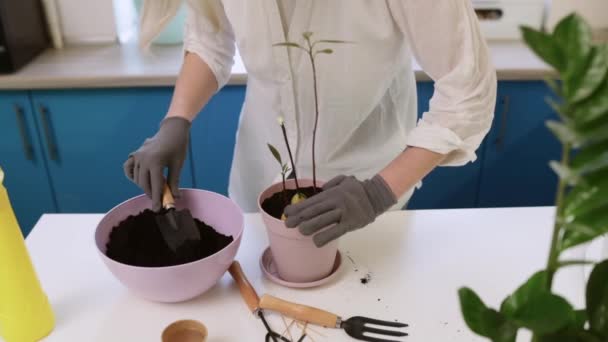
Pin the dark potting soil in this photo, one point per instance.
(275, 204)
(137, 241)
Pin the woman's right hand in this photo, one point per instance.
(168, 149)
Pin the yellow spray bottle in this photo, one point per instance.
(25, 312)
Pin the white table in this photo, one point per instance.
(418, 260)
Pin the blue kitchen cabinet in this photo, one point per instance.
(87, 136)
(446, 187)
(22, 160)
(519, 147)
(213, 138)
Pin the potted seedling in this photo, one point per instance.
(296, 257)
(581, 204)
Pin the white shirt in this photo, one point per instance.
(367, 90)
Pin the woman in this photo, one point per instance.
(367, 99)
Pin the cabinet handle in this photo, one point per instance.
(28, 148)
(502, 132)
(48, 133)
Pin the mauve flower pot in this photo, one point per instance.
(296, 256)
(181, 282)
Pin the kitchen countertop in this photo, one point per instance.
(127, 66)
(417, 261)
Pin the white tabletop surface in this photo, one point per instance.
(127, 66)
(417, 261)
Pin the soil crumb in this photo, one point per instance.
(367, 279)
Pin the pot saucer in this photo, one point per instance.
(270, 271)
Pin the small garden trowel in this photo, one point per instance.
(176, 226)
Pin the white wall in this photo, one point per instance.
(87, 21)
(595, 11)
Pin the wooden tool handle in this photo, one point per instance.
(247, 291)
(168, 200)
(300, 312)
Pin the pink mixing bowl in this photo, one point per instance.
(181, 282)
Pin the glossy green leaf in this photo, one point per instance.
(289, 44)
(564, 133)
(597, 299)
(584, 229)
(573, 35)
(594, 135)
(591, 159)
(573, 332)
(584, 83)
(275, 153)
(484, 321)
(545, 47)
(586, 113)
(544, 313)
(585, 199)
(563, 172)
(333, 41)
(533, 287)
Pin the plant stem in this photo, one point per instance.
(293, 165)
(314, 130)
(552, 263)
(284, 189)
(567, 263)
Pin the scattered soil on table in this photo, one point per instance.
(275, 204)
(137, 241)
(366, 279)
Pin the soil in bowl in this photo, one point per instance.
(276, 204)
(137, 241)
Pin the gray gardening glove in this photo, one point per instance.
(346, 202)
(165, 149)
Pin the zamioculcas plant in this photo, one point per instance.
(312, 51)
(581, 204)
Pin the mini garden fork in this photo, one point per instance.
(357, 327)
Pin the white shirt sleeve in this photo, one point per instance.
(208, 34)
(445, 38)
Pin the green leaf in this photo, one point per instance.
(573, 35)
(586, 113)
(545, 47)
(584, 83)
(483, 321)
(597, 299)
(333, 41)
(289, 44)
(327, 51)
(573, 332)
(584, 199)
(544, 313)
(563, 172)
(590, 159)
(564, 133)
(560, 109)
(596, 134)
(535, 286)
(307, 35)
(584, 229)
(275, 153)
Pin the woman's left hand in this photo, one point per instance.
(346, 203)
